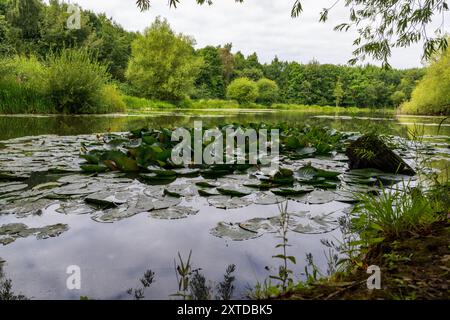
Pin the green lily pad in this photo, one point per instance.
(208, 192)
(74, 208)
(173, 213)
(10, 232)
(227, 202)
(11, 187)
(316, 197)
(108, 199)
(233, 232)
(94, 168)
(263, 198)
(233, 192)
(298, 190)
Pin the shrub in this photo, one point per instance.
(268, 91)
(243, 90)
(76, 81)
(111, 100)
(22, 86)
(431, 96)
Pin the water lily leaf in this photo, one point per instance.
(94, 168)
(345, 196)
(178, 212)
(208, 193)
(263, 198)
(233, 232)
(154, 179)
(51, 231)
(74, 189)
(260, 225)
(227, 202)
(114, 214)
(206, 184)
(309, 172)
(10, 176)
(23, 208)
(74, 208)
(315, 197)
(165, 202)
(181, 190)
(46, 186)
(298, 190)
(213, 174)
(305, 152)
(11, 187)
(186, 172)
(108, 199)
(233, 192)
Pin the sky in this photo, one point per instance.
(261, 26)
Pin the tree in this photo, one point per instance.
(227, 62)
(268, 91)
(163, 65)
(398, 97)
(406, 19)
(338, 93)
(431, 96)
(210, 82)
(242, 90)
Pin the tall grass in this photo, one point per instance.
(23, 86)
(393, 214)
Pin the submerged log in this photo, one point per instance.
(371, 152)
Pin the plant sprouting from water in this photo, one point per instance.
(146, 281)
(284, 275)
(225, 288)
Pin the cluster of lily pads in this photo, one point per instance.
(117, 176)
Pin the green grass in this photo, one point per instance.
(393, 214)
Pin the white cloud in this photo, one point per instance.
(262, 26)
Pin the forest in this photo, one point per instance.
(107, 69)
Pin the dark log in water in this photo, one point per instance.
(371, 152)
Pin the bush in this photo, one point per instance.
(431, 96)
(22, 86)
(111, 100)
(76, 81)
(243, 90)
(268, 91)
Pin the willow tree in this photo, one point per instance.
(381, 24)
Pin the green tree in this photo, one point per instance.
(268, 91)
(338, 93)
(398, 97)
(431, 96)
(407, 19)
(227, 62)
(243, 90)
(210, 82)
(163, 65)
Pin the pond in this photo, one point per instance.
(114, 248)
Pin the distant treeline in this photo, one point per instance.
(33, 28)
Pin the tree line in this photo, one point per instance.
(161, 64)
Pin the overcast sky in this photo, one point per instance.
(261, 26)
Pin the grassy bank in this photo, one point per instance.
(405, 234)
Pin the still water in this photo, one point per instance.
(114, 256)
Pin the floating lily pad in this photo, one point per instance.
(227, 202)
(316, 197)
(208, 192)
(233, 191)
(298, 190)
(178, 212)
(108, 199)
(10, 232)
(74, 208)
(233, 232)
(11, 187)
(263, 198)
(26, 207)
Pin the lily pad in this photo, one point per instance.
(316, 197)
(233, 232)
(263, 198)
(11, 187)
(298, 190)
(178, 212)
(108, 199)
(227, 202)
